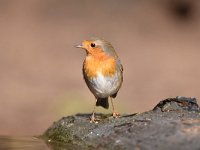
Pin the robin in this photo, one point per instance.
(102, 71)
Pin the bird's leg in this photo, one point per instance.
(114, 114)
(92, 118)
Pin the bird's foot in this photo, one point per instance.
(93, 119)
(115, 115)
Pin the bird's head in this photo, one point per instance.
(97, 46)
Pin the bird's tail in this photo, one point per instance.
(103, 102)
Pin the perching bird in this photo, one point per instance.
(102, 71)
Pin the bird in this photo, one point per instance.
(102, 72)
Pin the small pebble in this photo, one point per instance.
(117, 141)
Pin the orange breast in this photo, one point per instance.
(104, 65)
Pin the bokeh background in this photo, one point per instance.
(41, 79)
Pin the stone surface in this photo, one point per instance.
(174, 123)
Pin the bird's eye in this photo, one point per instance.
(92, 45)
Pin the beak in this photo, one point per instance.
(79, 46)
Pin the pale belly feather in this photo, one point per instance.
(105, 86)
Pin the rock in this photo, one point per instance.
(177, 104)
(174, 123)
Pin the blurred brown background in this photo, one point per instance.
(41, 77)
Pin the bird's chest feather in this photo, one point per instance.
(101, 76)
(99, 66)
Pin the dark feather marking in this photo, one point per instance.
(103, 102)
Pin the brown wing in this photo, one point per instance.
(119, 68)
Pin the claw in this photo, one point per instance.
(93, 119)
(115, 115)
